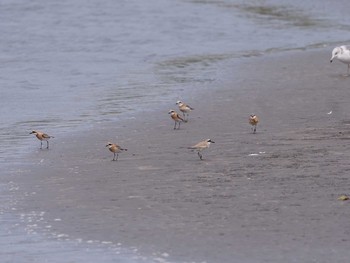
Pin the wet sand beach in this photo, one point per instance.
(264, 197)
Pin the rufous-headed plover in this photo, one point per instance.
(42, 137)
(201, 146)
(184, 108)
(176, 117)
(342, 53)
(253, 120)
(115, 149)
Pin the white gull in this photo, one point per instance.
(342, 53)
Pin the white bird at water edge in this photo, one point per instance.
(342, 53)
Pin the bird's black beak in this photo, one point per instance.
(212, 142)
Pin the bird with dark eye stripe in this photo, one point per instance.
(177, 118)
(42, 137)
(115, 149)
(199, 147)
(184, 108)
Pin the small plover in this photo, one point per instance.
(176, 117)
(342, 53)
(42, 137)
(115, 149)
(184, 108)
(201, 146)
(253, 120)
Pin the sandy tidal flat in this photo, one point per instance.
(264, 197)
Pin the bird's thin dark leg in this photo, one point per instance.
(200, 156)
(47, 144)
(117, 157)
(113, 157)
(179, 125)
(41, 144)
(254, 129)
(175, 126)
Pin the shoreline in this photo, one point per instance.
(160, 198)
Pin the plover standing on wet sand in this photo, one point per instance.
(115, 149)
(184, 108)
(253, 120)
(342, 53)
(42, 137)
(201, 146)
(176, 117)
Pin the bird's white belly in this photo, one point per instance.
(345, 59)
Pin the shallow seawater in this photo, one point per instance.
(23, 244)
(22, 239)
(69, 66)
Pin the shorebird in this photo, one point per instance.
(253, 120)
(201, 146)
(176, 117)
(184, 108)
(115, 149)
(342, 53)
(42, 137)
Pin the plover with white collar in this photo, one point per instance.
(115, 149)
(199, 147)
(177, 118)
(184, 108)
